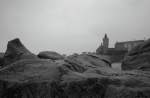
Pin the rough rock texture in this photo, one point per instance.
(90, 60)
(16, 51)
(44, 79)
(50, 55)
(138, 58)
(80, 76)
(1, 58)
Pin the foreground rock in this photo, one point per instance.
(138, 58)
(45, 79)
(50, 55)
(80, 76)
(16, 51)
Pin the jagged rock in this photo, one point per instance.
(16, 51)
(50, 55)
(138, 58)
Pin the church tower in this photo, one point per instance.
(104, 46)
(105, 42)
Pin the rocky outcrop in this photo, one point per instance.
(50, 55)
(16, 51)
(76, 76)
(138, 58)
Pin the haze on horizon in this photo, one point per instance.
(69, 26)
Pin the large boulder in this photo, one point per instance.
(83, 62)
(16, 51)
(138, 58)
(50, 55)
(90, 60)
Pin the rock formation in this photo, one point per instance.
(138, 58)
(90, 60)
(16, 51)
(80, 76)
(1, 58)
(50, 55)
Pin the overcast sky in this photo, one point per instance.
(69, 26)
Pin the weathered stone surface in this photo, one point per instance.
(44, 79)
(16, 51)
(1, 58)
(91, 60)
(138, 58)
(18, 77)
(50, 55)
(81, 63)
(80, 76)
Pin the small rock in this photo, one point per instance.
(50, 55)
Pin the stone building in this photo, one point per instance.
(104, 46)
(119, 50)
(128, 45)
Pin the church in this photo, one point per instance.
(120, 48)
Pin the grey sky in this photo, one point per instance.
(68, 26)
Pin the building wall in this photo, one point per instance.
(127, 45)
(120, 46)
